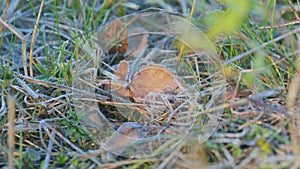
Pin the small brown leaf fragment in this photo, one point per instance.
(122, 70)
(119, 86)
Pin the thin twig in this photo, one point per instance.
(24, 58)
(3, 105)
(4, 13)
(3, 18)
(11, 131)
(12, 63)
(59, 86)
(277, 25)
(33, 39)
(260, 47)
(27, 88)
(127, 162)
(293, 9)
(190, 19)
(192, 10)
(223, 106)
(49, 150)
(13, 30)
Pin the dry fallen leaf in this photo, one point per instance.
(126, 134)
(153, 78)
(137, 41)
(115, 37)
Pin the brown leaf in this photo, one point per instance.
(126, 134)
(153, 79)
(137, 40)
(121, 72)
(115, 37)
